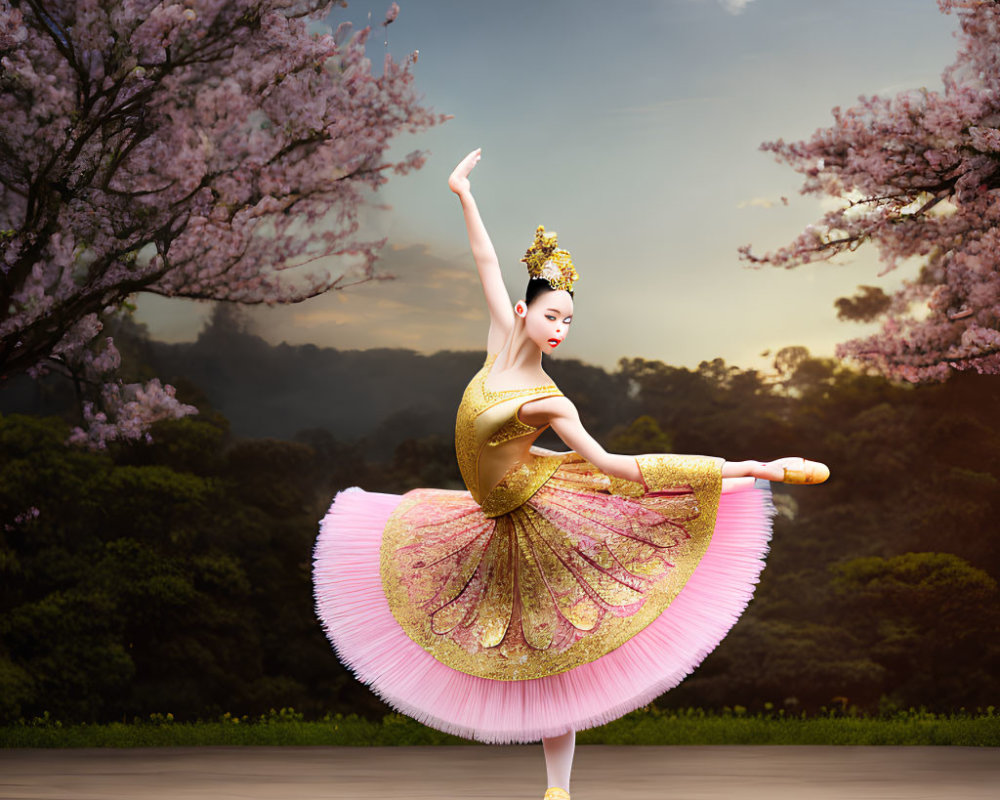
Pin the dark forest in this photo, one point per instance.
(175, 576)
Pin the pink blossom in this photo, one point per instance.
(129, 411)
(168, 147)
(29, 514)
(925, 165)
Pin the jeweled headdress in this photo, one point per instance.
(550, 263)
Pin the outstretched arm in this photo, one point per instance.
(562, 415)
(497, 299)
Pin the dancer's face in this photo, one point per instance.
(547, 319)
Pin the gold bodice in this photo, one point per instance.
(493, 444)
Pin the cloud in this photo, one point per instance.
(735, 6)
(327, 317)
(762, 202)
(756, 202)
(434, 303)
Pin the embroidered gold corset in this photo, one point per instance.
(493, 445)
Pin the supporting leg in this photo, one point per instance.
(559, 763)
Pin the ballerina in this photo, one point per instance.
(562, 590)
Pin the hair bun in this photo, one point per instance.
(550, 263)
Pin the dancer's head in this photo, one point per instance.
(546, 313)
(547, 307)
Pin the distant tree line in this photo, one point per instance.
(175, 576)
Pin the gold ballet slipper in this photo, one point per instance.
(555, 793)
(812, 472)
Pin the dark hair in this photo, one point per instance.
(537, 286)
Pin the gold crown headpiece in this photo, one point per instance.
(550, 263)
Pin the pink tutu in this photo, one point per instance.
(355, 612)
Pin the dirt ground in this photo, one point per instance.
(611, 773)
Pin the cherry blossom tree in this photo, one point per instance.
(213, 149)
(919, 177)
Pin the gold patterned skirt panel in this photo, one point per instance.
(559, 581)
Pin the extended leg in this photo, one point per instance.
(559, 763)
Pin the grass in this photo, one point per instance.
(697, 727)
(644, 727)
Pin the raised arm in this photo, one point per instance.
(497, 300)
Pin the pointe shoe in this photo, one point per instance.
(555, 793)
(811, 472)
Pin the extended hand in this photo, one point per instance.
(458, 181)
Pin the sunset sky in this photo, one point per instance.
(632, 129)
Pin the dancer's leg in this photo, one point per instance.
(559, 758)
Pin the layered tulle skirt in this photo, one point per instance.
(578, 607)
